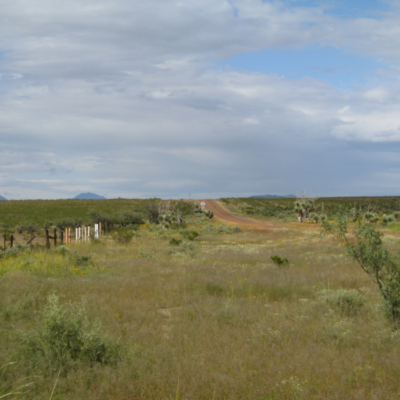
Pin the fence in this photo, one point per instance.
(82, 233)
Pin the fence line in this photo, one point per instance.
(82, 233)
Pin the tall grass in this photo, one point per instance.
(217, 321)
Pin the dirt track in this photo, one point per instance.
(221, 213)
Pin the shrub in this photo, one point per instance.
(386, 219)
(129, 219)
(313, 217)
(175, 242)
(67, 223)
(29, 227)
(280, 262)
(189, 234)
(209, 214)
(187, 247)
(323, 218)
(396, 214)
(65, 336)
(123, 235)
(370, 217)
(347, 301)
(367, 249)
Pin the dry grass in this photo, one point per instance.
(216, 320)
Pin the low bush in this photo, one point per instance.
(346, 301)
(371, 217)
(387, 219)
(28, 226)
(280, 262)
(189, 234)
(313, 217)
(68, 223)
(123, 235)
(65, 336)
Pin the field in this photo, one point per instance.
(283, 208)
(206, 317)
(15, 212)
(41, 211)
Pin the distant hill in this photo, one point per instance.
(273, 196)
(89, 196)
(2, 198)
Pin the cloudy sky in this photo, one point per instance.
(214, 98)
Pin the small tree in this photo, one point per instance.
(366, 247)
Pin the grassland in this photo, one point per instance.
(14, 212)
(212, 318)
(283, 208)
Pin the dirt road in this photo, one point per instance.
(221, 213)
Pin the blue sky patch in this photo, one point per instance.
(324, 63)
(345, 8)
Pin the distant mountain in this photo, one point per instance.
(89, 196)
(273, 196)
(2, 198)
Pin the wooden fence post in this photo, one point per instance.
(47, 239)
(55, 237)
(11, 241)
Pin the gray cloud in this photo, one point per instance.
(120, 98)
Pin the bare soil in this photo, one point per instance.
(220, 212)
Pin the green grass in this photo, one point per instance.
(283, 208)
(214, 319)
(13, 212)
(208, 318)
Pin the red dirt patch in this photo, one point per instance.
(223, 214)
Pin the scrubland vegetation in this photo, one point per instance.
(203, 311)
(283, 208)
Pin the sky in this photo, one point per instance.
(199, 98)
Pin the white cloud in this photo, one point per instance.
(120, 97)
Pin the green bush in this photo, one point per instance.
(371, 217)
(189, 234)
(175, 242)
(396, 214)
(123, 235)
(65, 336)
(368, 250)
(323, 218)
(314, 217)
(209, 214)
(28, 226)
(387, 219)
(347, 301)
(280, 262)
